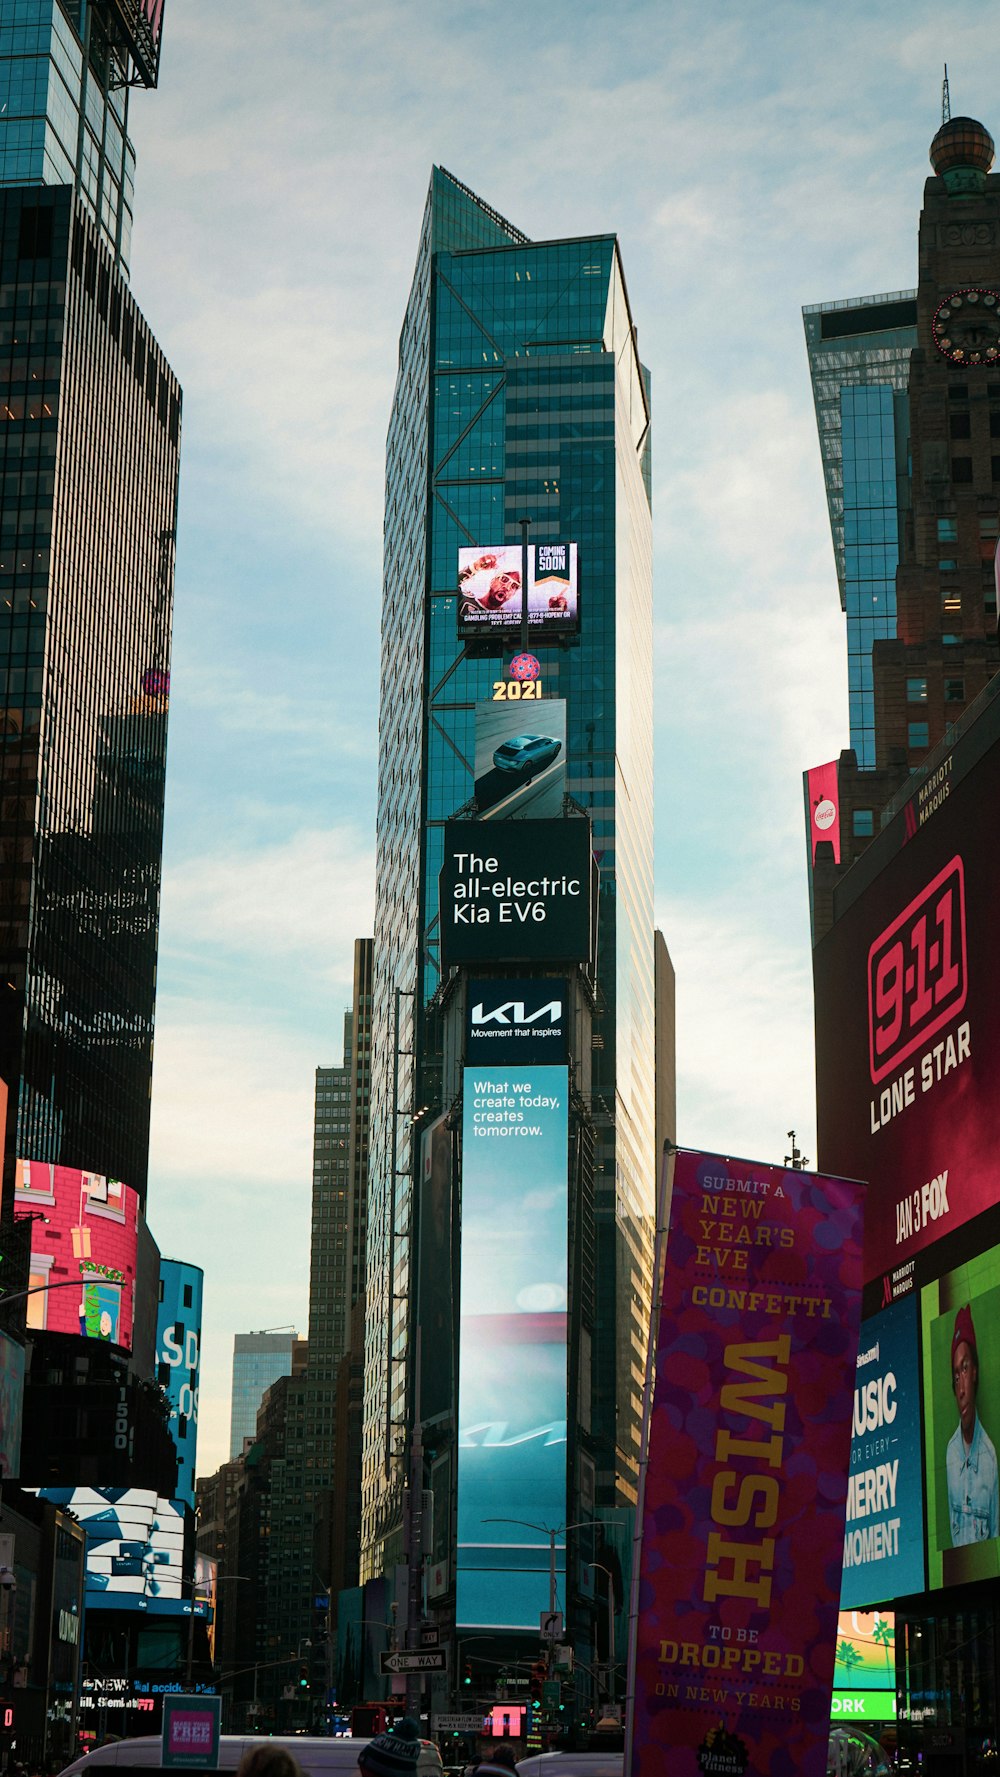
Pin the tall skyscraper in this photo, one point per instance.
(520, 395)
(907, 988)
(90, 440)
(907, 390)
(258, 1360)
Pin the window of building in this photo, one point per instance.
(951, 598)
(917, 734)
(947, 565)
(916, 690)
(954, 691)
(863, 823)
(995, 465)
(947, 529)
(961, 470)
(958, 391)
(960, 425)
(989, 524)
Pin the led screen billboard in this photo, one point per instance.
(908, 1016)
(516, 891)
(86, 1233)
(178, 1358)
(134, 1557)
(960, 1331)
(490, 591)
(520, 759)
(884, 1533)
(512, 1350)
(11, 1405)
(864, 1671)
(515, 1020)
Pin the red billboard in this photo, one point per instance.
(908, 1017)
(745, 1489)
(822, 787)
(83, 1250)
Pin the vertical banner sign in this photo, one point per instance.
(746, 1482)
(190, 1735)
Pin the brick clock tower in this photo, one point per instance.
(945, 650)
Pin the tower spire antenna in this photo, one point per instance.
(945, 98)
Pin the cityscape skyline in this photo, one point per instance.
(744, 571)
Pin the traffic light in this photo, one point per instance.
(468, 1672)
(303, 1678)
(536, 1681)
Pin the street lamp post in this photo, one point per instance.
(599, 1565)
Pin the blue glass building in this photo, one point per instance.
(258, 1360)
(859, 360)
(519, 394)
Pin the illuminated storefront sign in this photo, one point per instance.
(512, 1352)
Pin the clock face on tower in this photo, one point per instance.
(966, 327)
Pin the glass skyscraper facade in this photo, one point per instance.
(64, 117)
(859, 359)
(519, 394)
(258, 1360)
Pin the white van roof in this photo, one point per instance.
(314, 1754)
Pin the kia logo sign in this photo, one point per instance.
(516, 1020)
(512, 1013)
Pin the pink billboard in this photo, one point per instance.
(823, 807)
(745, 1487)
(83, 1250)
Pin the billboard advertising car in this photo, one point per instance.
(516, 891)
(86, 1234)
(516, 1021)
(520, 759)
(513, 1347)
(907, 987)
(490, 590)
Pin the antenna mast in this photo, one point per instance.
(945, 98)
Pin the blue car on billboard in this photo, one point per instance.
(524, 754)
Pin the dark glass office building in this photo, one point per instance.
(520, 394)
(90, 437)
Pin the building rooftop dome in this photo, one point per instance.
(962, 143)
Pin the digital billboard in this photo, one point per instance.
(884, 1534)
(520, 759)
(512, 1350)
(516, 891)
(908, 1015)
(490, 590)
(516, 1020)
(134, 1558)
(86, 1232)
(11, 1405)
(178, 1358)
(864, 1670)
(960, 1330)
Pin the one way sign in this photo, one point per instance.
(434, 1659)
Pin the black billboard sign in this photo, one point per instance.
(516, 891)
(516, 1021)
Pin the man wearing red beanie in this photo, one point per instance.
(970, 1460)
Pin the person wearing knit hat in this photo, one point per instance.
(970, 1459)
(394, 1754)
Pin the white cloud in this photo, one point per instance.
(306, 899)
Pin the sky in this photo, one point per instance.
(751, 159)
